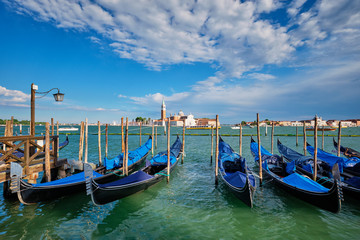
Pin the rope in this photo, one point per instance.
(326, 179)
(161, 173)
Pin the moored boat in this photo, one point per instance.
(154, 171)
(235, 174)
(347, 152)
(284, 176)
(305, 164)
(31, 193)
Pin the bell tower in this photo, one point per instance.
(163, 111)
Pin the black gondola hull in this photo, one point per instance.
(30, 194)
(330, 201)
(101, 196)
(245, 194)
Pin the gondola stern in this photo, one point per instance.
(88, 178)
(15, 176)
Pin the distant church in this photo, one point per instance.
(175, 120)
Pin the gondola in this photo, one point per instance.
(347, 152)
(154, 171)
(284, 176)
(305, 164)
(31, 193)
(235, 174)
(346, 165)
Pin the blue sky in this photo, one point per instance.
(287, 60)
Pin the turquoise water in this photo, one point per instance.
(189, 207)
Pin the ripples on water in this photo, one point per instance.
(189, 207)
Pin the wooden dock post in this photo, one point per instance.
(156, 137)
(183, 144)
(297, 143)
(86, 140)
(272, 138)
(127, 147)
(315, 148)
(140, 135)
(52, 127)
(152, 140)
(20, 129)
(99, 142)
(339, 139)
(217, 150)
(57, 128)
(81, 142)
(47, 153)
(240, 140)
(212, 144)
(304, 132)
(122, 136)
(322, 137)
(106, 140)
(168, 152)
(259, 148)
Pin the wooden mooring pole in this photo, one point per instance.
(304, 132)
(122, 135)
(86, 140)
(106, 139)
(52, 127)
(259, 148)
(212, 144)
(57, 128)
(127, 147)
(339, 139)
(315, 147)
(47, 153)
(168, 152)
(81, 141)
(272, 138)
(217, 150)
(99, 143)
(297, 143)
(140, 134)
(152, 140)
(322, 138)
(156, 137)
(183, 144)
(240, 140)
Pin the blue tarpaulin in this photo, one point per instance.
(134, 156)
(304, 183)
(79, 177)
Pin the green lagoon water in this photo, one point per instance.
(190, 206)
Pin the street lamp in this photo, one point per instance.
(59, 97)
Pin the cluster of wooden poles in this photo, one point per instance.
(124, 143)
(272, 144)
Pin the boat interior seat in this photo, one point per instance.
(233, 166)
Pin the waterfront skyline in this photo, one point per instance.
(113, 59)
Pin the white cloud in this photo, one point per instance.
(228, 34)
(12, 96)
(261, 76)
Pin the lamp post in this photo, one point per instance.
(59, 97)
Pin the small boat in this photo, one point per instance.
(235, 174)
(350, 166)
(305, 164)
(347, 152)
(321, 129)
(68, 129)
(235, 127)
(31, 193)
(284, 176)
(154, 171)
(205, 127)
